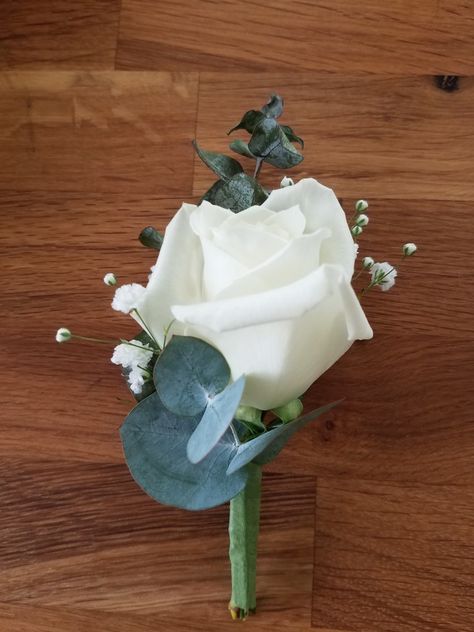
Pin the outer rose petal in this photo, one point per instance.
(282, 339)
(177, 276)
(321, 208)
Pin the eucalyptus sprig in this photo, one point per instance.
(269, 142)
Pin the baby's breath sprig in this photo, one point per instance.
(384, 274)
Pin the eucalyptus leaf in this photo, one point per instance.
(270, 143)
(267, 446)
(223, 166)
(274, 106)
(248, 122)
(188, 373)
(154, 442)
(242, 148)
(211, 193)
(239, 193)
(215, 421)
(151, 238)
(289, 133)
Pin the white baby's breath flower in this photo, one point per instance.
(361, 206)
(356, 249)
(356, 231)
(362, 220)
(110, 279)
(63, 335)
(286, 182)
(130, 356)
(367, 263)
(136, 379)
(127, 296)
(409, 249)
(383, 275)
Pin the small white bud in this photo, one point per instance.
(63, 335)
(361, 206)
(409, 249)
(367, 263)
(286, 182)
(356, 231)
(362, 220)
(110, 279)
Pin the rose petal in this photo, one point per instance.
(283, 303)
(321, 209)
(283, 340)
(296, 260)
(291, 222)
(177, 275)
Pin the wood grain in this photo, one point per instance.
(57, 34)
(394, 557)
(390, 137)
(73, 535)
(97, 131)
(340, 36)
(90, 155)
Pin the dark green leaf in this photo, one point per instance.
(154, 442)
(270, 142)
(188, 372)
(274, 106)
(249, 121)
(289, 133)
(223, 166)
(151, 238)
(267, 446)
(211, 193)
(239, 193)
(241, 148)
(216, 420)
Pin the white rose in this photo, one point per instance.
(269, 287)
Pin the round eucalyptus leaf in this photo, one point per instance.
(154, 442)
(215, 421)
(268, 445)
(188, 373)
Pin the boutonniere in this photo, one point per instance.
(250, 301)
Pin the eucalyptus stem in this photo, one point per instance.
(244, 523)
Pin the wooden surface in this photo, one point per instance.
(368, 515)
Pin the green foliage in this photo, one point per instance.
(241, 148)
(248, 122)
(268, 445)
(274, 107)
(215, 421)
(188, 373)
(223, 166)
(151, 238)
(271, 143)
(237, 194)
(289, 133)
(154, 442)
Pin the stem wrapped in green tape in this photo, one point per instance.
(244, 522)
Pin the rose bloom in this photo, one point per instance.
(270, 287)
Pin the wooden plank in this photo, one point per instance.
(99, 131)
(338, 36)
(394, 557)
(85, 537)
(385, 137)
(58, 34)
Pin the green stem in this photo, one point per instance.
(244, 519)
